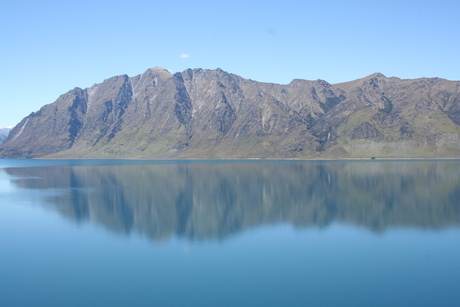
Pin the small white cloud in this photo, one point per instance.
(184, 55)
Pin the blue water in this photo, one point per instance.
(233, 233)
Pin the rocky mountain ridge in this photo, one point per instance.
(214, 114)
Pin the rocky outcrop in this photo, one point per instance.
(214, 114)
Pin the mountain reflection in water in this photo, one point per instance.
(211, 200)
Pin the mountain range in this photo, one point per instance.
(214, 114)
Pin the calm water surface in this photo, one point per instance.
(229, 233)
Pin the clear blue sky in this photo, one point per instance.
(50, 47)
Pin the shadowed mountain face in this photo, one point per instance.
(213, 114)
(216, 200)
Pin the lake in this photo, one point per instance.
(229, 233)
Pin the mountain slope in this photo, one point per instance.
(394, 117)
(214, 114)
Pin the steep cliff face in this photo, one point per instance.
(214, 114)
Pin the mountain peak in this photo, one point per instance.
(351, 84)
(158, 69)
(374, 75)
